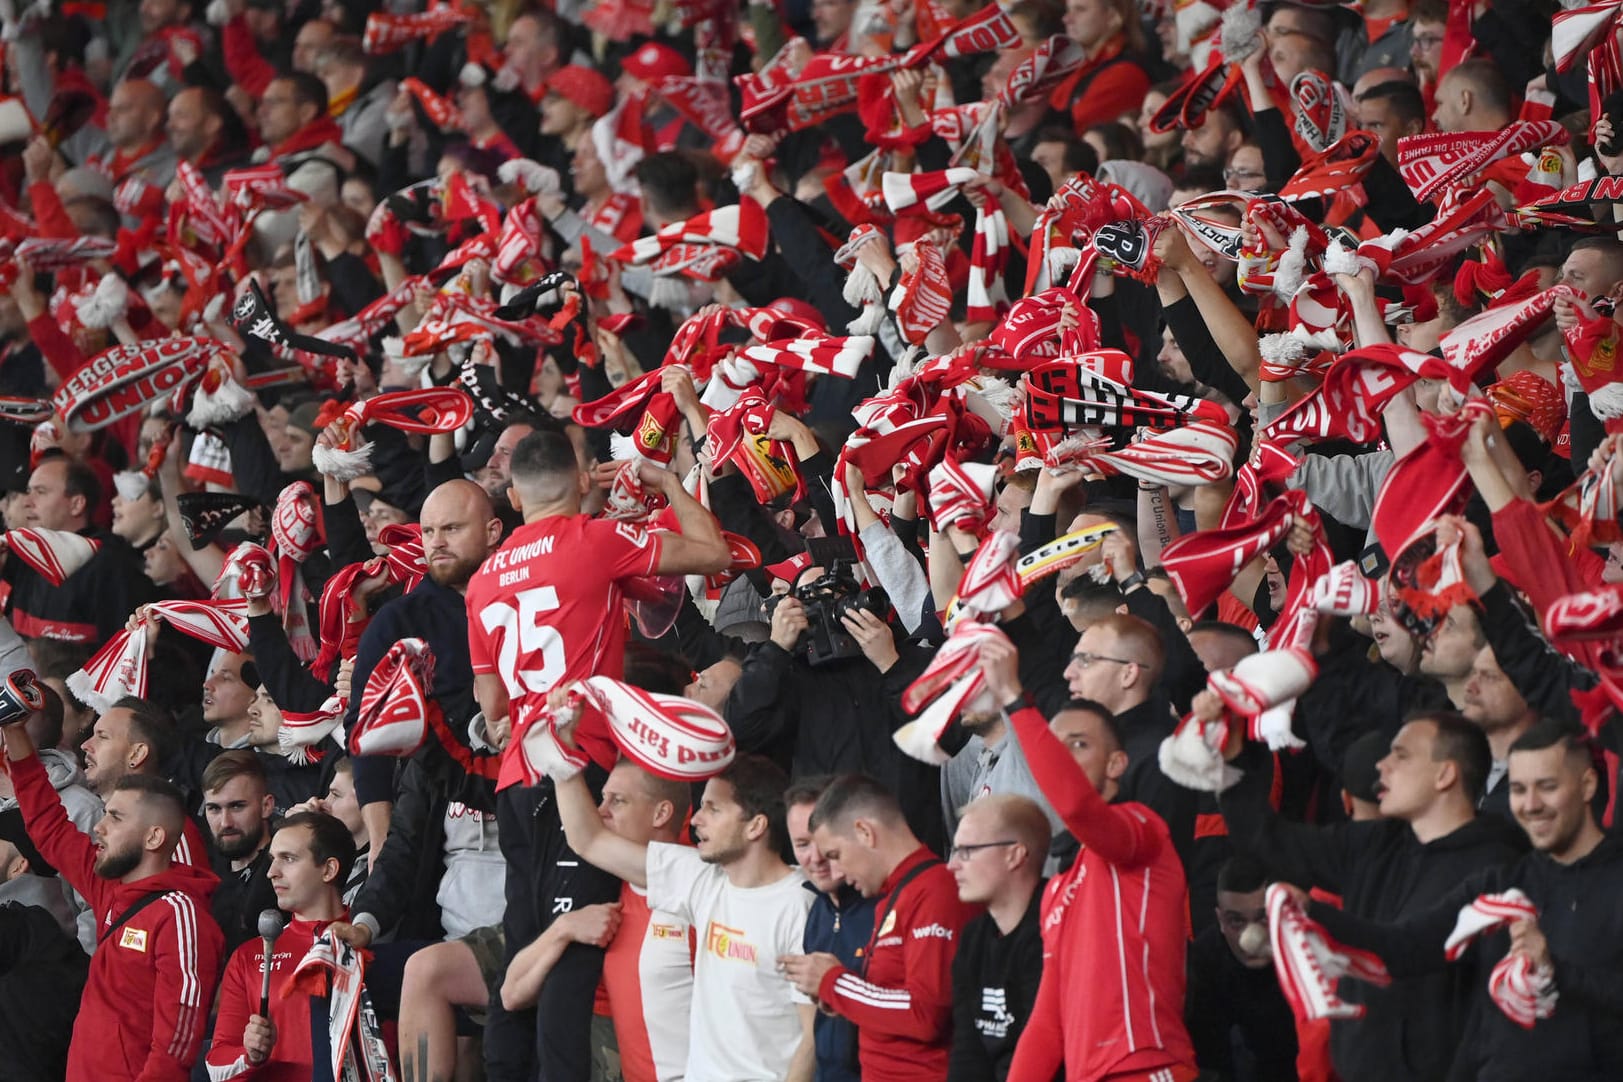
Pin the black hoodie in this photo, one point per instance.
(1382, 872)
(1581, 919)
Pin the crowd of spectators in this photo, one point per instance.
(810, 539)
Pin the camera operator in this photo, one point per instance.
(820, 694)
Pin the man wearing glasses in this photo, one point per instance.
(997, 859)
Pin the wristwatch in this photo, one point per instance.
(1132, 582)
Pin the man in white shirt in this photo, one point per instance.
(746, 904)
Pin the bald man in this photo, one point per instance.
(152, 979)
(196, 126)
(135, 128)
(459, 530)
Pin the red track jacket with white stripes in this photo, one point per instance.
(146, 1002)
(1114, 931)
(902, 1003)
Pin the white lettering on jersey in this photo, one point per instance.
(526, 640)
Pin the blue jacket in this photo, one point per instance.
(840, 924)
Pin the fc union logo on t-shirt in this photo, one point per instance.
(729, 943)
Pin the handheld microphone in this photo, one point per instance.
(270, 926)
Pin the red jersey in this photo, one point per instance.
(902, 1002)
(545, 609)
(648, 975)
(1114, 931)
(291, 1058)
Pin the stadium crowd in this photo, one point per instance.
(811, 539)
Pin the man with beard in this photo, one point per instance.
(152, 978)
(460, 529)
(134, 736)
(238, 808)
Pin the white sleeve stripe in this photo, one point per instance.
(874, 990)
(186, 1019)
(230, 1070)
(863, 992)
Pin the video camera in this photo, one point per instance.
(827, 600)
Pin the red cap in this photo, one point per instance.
(653, 60)
(799, 309)
(789, 570)
(583, 87)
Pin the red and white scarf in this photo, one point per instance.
(431, 410)
(1197, 454)
(120, 666)
(1309, 962)
(1434, 162)
(1525, 994)
(55, 554)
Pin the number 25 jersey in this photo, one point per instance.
(545, 609)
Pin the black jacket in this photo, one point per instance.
(994, 986)
(241, 897)
(1580, 917)
(833, 719)
(1410, 1030)
(1238, 1019)
(90, 606)
(42, 976)
(404, 880)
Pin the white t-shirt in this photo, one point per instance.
(746, 1016)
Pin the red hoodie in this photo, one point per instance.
(146, 1002)
(291, 1058)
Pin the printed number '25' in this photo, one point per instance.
(525, 639)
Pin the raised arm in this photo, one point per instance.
(699, 549)
(592, 841)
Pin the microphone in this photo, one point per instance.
(270, 926)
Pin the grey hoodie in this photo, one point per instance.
(84, 808)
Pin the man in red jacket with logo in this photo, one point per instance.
(1110, 1005)
(901, 1001)
(311, 854)
(152, 978)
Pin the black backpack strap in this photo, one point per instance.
(129, 914)
(890, 903)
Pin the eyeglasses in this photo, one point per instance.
(1083, 659)
(964, 852)
(1233, 176)
(1427, 41)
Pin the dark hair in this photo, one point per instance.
(542, 455)
(329, 840)
(65, 35)
(80, 480)
(156, 790)
(1202, 178)
(1121, 142)
(1112, 726)
(50, 733)
(152, 725)
(307, 90)
(1486, 79)
(235, 763)
(1549, 733)
(853, 794)
(1462, 742)
(758, 783)
(1079, 156)
(1241, 874)
(1046, 19)
(669, 182)
(806, 790)
(652, 669)
(1430, 11)
(1085, 590)
(1225, 630)
(1403, 98)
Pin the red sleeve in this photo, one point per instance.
(628, 550)
(1041, 1051)
(186, 961)
(226, 1057)
(1118, 89)
(58, 349)
(478, 638)
(1537, 560)
(248, 69)
(67, 848)
(1121, 835)
(49, 213)
(922, 1008)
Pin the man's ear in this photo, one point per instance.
(583, 483)
(156, 839)
(1116, 765)
(139, 754)
(664, 812)
(757, 827)
(514, 500)
(267, 806)
(329, 870)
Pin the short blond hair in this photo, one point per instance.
(1020, 817)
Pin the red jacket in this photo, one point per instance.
(902, 1002)
(291, 1058)
(146, 1002)
(1114, 931)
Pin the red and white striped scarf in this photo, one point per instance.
(1309, 962)
(54, 554)
(119, 668)
(1434, 162)
(1197, 454)
(1525, 994)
